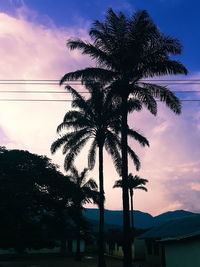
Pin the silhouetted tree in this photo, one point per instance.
(86, 192)
(99, 119)
(127, 50)
(31, 193)
(133, 183)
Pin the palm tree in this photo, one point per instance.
(96, 118)
(85, 192)
(127, 50)
(134, 182)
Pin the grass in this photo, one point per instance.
(56, 261)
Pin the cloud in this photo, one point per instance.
(172, 162)
(195, 186)
(30, 50)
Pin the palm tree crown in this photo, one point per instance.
(96, 118)
(133, 183)
(127, 50)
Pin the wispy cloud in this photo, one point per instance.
(30, 50)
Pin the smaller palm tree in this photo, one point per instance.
(85, 192)
(133, 182)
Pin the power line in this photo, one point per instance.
(56, 80)
(66, 92)
(68, 100)
(41, 92)
(79, 83)
(34, 100)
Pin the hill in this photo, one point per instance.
(113, 218)
(171, 215)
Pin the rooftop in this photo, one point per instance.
(175, 229)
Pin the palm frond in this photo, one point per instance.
(74, 119)
(74, 174)
(78, 100)
(83, 176)
(90, 195)
(131, 153)
(170, 45)
(145, 97)
(74, 151)
(117, 184)
(91, 184)
(134, 158)
(98, 74)
(59, 142)
(73, 115)
(142, 188)
(162, 68)
(92, 155)
(164, 95)
(75, 138)
(134, 105)
(136, 180)
(138, 137)
(93, 51)
(99, 33)
(111, 146)
(133, 182)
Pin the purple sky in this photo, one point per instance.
(33, 35)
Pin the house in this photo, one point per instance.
(114, 240)
(175, 243)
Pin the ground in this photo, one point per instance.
(56, 261)
(61, 261)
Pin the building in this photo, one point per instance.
(114, 241)
(175, 243)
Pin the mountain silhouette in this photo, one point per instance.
(113, 218)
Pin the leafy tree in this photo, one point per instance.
(127, 50)
(86, 192)
(96, 118)
(133, 183)
(31, 194)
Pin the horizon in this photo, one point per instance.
(148, 212)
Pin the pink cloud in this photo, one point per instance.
(32, 51)
(195, 186)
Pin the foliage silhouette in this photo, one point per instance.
(96, 118)
(33, 196)
(125, 51)
(86, 192)
(133, 183)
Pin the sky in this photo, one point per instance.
(33, 35)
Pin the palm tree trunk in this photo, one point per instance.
(78, 241)
(127, 246)
(132, 220)
(101, 257)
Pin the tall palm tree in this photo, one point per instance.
(85, 192)
(96, 118)
(134, 182)
(127, 50)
